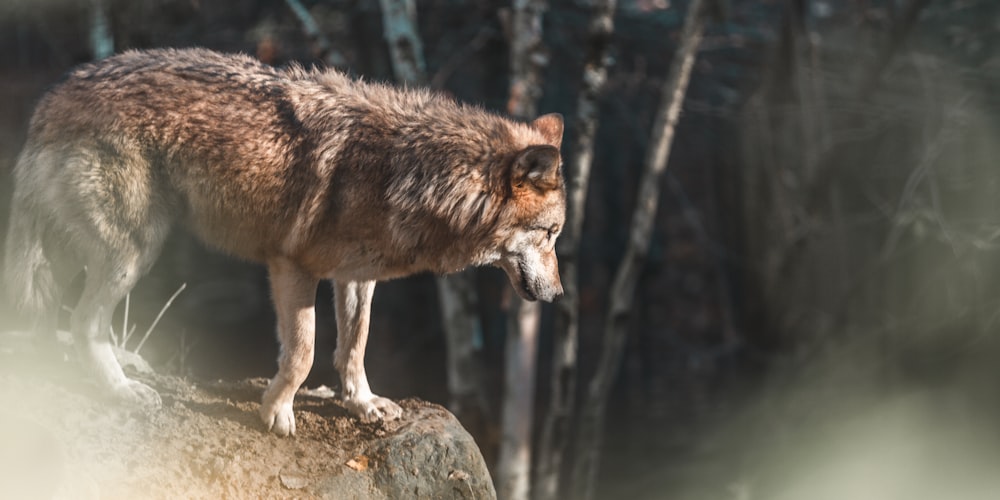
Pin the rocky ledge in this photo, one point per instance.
(61, 440)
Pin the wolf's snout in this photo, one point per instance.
(533, 282)
(546, 294)
(549, 288)
(556, 294)
(555, 289)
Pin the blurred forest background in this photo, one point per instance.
(817, 313)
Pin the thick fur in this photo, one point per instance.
(310, 172)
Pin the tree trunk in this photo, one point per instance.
(457, 292)
(459, 310)
(590, 431)
(556, 429)
(527, 59)
(514, 465)
(102, 43)
(399, 24)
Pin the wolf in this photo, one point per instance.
(316, 175)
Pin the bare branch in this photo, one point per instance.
(125, 332)
(158, 316)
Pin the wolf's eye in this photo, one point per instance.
(550, 231)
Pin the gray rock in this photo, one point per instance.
(207, 442)
(430, 455)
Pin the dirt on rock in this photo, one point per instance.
(60, 439)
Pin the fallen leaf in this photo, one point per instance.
(358, 463)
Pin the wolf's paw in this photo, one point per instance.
(373, 408)
(134, 393)
(278, 418)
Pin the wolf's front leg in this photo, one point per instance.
(353, 306)
(294, 293)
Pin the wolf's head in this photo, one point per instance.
(536, 215)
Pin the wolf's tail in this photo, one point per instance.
(30, 281)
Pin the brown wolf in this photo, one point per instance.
(310, 172)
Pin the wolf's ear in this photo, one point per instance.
(538, 166)
(551, 127)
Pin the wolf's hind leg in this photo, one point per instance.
(106, 284)
(114, 212)
(353, 307)
(294, 294)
